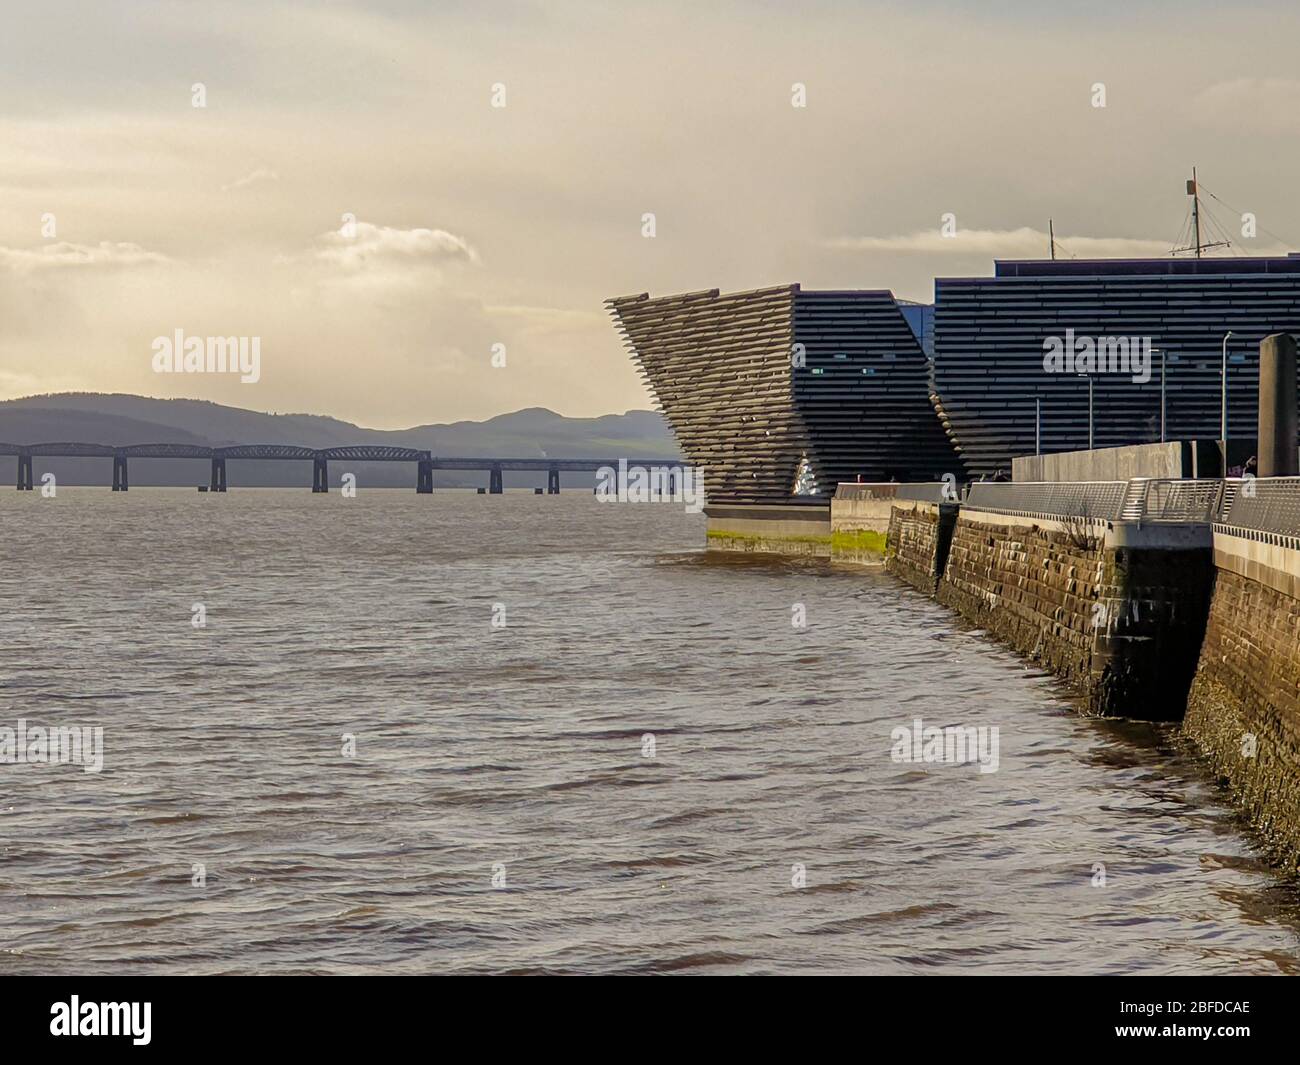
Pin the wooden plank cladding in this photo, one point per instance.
(779, 394)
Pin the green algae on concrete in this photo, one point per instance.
(858, 545)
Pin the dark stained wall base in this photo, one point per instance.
(1119, 620)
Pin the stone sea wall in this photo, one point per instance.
(1115, 611)
(1244, 707)
(913, 545)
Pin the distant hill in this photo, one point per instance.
(120, 419)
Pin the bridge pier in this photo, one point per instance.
(495, 486)
(553, 481)
(424, 478)
(217, 483)
(320, 475)
(120, 480)
(24, 472)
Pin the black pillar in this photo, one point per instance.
(424, 477)
(24, 473)
(320, 475)
(217, 483)
(553, 482)
(120, 481)
(495, 487)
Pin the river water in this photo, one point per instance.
(581, 745)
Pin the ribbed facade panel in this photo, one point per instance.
(989, 335)
(719, 368)
(726, 373)
(864, 391)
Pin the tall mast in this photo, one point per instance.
(1194, 192)
(1051, 235)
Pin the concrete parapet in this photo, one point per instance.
(1173, 458)
(851, 515)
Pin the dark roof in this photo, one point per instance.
(1289, 264)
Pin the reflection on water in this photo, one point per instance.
(518, 756)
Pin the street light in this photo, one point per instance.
(1162, 393)
(1223, 400)
(1089, 377)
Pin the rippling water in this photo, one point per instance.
(517, 752)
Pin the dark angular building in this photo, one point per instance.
(989, 335)
(779, 393)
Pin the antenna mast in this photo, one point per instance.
(1194, 191)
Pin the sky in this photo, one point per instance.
(407, 250)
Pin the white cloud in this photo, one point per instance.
(64, 254)
(261, 174)
(1022, 243)
(371, 247)
(384, 261)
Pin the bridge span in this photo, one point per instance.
(425, 461)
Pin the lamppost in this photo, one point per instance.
(1162, 393)
(1223, 398)
(1089, 377)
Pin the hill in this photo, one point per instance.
(119, 419)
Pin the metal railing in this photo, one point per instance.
(1094, 500)
(1139, 499)
(1174, 500)
(912, 491)
(1263, 504)
(1266, 505)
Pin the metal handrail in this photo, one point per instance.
(1266, 504)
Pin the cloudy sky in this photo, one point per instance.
(350, 195)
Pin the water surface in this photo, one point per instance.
(519, 753)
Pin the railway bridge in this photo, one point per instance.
(425, 461)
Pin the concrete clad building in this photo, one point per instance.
(989, 350)
(779, 393)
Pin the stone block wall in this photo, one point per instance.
(913, 542)
(1031, 588)
(1244, 707)
(1121, 625)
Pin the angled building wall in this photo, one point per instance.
(779, 394)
